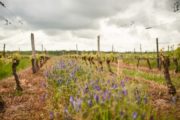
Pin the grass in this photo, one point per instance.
(159, 78)
(6, 67)
(148, 76)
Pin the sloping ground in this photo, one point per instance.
(28, 105)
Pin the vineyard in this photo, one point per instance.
(90, 86)
(89, 60)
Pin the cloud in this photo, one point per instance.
(67, 22)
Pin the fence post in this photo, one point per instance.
(2, 105)
(76, 49)
(166, 64)
(157, 52)
(4, 50)
(140, 49)
(34, 69)
(98, 44)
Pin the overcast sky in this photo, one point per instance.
(61, 24)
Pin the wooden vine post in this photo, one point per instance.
(175, 60)
(2, 105)
(157, 52)
(15, 63)
(99, 53)
(4, 50)
(77, 49)
(166, 63)
(98, 45)
(34, 68)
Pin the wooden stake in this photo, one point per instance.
(42, 47)
(112, 48)
(4, 50)
(33, 54)
(157, 52)
(140, 48)
(98, 44)
(76, 49)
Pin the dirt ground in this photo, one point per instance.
(28, 105)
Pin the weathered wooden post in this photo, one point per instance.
(175, 60)
(157, 52)
(148, 62)
(2, 105)
(140, 49)
(98, 45)
(99, 54)
(76, 49)
(34, 69)
(15, 63)
(168, 48)
(42, 48)
(4, 50)
(166, 64)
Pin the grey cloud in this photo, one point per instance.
(66, 14)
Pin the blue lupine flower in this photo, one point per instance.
(97, 88)
(114, 86)
(122, 83)
(105, 95)
(66, 110)
(51, 115)
(135, 114)
(71, 99)
(43, 97)
(90, 103)
(96, 97)
(124, 91)
(79, 102)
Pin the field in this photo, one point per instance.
(69, 87)
(6, 66)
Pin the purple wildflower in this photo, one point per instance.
(114, 86)
(96, 97)
(90, 103)
(97, 88)
(124, 92)
(66, 110)
(79, 102)
(51, 115)
(122, 83)
(135, 114)
(71, 99)
(43, 97)
(105, 95)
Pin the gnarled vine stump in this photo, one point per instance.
(15, 63)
